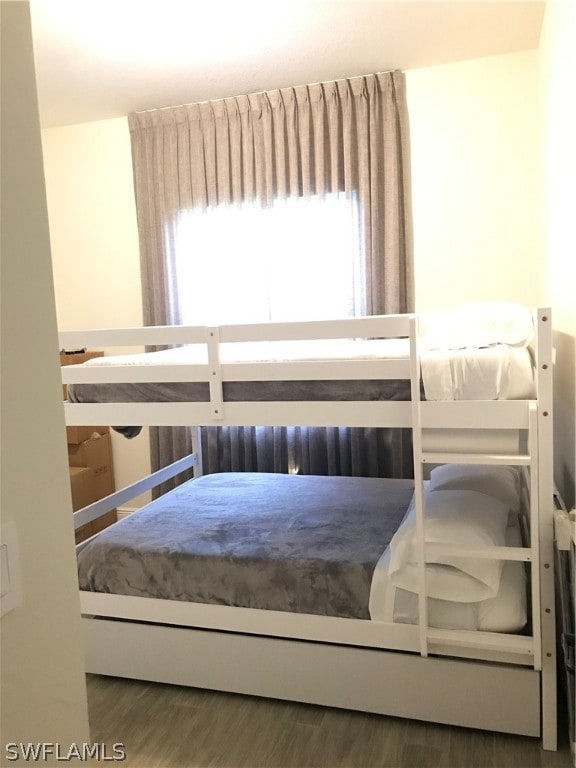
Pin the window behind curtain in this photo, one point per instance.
(347, 136)
(297, 259)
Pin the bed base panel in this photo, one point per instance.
(462, 693)
(301, 413)
(485, 415)
(487, 646)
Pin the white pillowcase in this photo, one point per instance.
(462, 518)
(501, 483)
(480, 324)
(507, 612)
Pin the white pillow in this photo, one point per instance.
(501, 483)
(462, 518)
(480, 324)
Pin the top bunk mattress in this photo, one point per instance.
(498, 372)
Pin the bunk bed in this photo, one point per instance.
(407, 660)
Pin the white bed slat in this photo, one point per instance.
(379, 326)
(301, 413)
(476, 458)
(476, 414)
(476, 639)
(152, 335)
(130, 374)
(517, 554)
(279, 371)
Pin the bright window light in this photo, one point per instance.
(295, 260)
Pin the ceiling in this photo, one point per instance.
(98, 59)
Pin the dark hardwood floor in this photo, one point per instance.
(164, 726)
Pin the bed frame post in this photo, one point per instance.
(418, 483)
(215, 382)
(544, 363)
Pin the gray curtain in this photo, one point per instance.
(346, 136)
(369, 452)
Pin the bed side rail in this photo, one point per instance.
(377, 326)
(116, 499)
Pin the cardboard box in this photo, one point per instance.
(76, 358)
(77, 435)
(83, 533)
(81, 487)
(90, 529)
(95, 454)
(91, 478)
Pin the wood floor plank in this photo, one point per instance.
(166, 726)
(346, 739)
(514, 750)
(418, 755)
(470, 748)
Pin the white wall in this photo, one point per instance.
(475, 146)
(558, 78)
(93, 229)
(94, 238)
(43, 687)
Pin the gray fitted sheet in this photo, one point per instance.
(242, 391)
(283, 353)
(238, 391)
(306, 544)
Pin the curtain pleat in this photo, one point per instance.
(347, 136)
(368, 452)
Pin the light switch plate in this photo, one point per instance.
(4, 571)
(10, 578)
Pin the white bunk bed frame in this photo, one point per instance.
(492, 681)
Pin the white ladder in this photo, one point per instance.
(537, 465)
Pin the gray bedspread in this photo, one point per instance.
(306, 544)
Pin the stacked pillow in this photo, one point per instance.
(466, 506)
(502, 483)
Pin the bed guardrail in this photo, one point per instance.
(116, 499)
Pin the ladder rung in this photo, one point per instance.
(482, 640)
(475, 458)
(519, 554)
